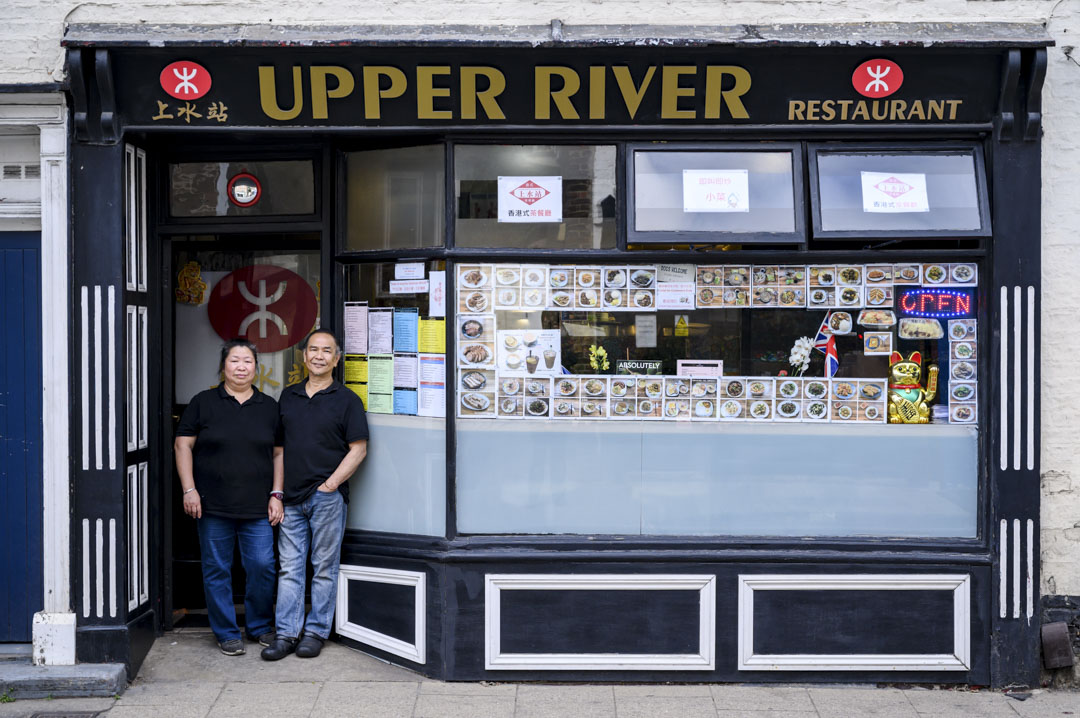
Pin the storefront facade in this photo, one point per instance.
(503, 235)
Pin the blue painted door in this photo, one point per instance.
(20, 434)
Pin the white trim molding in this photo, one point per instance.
(703, 660)
(415, 652)
(958, 660)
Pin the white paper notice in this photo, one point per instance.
(530, 199)
(700, 367)
(409, 286)
(894, 192)
(437, 294)
(676, 272)
(405, 371)
(716, 190)
(645, 330)
(356, 327)
(675, 295)
(380, 331)
(409, 270)
(431, 399)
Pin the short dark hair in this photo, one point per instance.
(232, 344)
(327, 332)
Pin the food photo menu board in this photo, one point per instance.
(517, 373)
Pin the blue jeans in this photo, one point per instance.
(217, 541)
(317, 524)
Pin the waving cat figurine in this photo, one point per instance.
(909, 403)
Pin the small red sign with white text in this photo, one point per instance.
(185, 80)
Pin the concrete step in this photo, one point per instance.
(21, 680)
(18, 652)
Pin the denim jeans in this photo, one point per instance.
(317, 524)
(217, 541)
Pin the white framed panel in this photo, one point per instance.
(131, 255)
(131, 344)
(134, 499)
(958, 660)
(144, 533)
(140, 219)
(496, 660)
(416, 652)
(144, 379)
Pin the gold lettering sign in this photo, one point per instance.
(876, 110)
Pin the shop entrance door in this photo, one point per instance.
(20, 435)
(265, 288)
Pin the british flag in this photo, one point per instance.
(825, 343)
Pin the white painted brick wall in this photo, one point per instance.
(32, 54)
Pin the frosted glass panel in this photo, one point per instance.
(401, 486)
(717, 479)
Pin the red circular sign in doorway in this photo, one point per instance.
(272, 307)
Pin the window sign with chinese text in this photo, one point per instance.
(530, 199)
(716, 191)
(894, 192)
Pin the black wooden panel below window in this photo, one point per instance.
(597, 621)
(852, 622)
(387, 608)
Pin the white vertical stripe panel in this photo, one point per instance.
(144, 409)
(129, 217)
(1030, 378)
(1003, 404)
(133, 542)
(1029, 607)
(99, 405)
(86, 567)
(85, 361)
(1016, 568)
(99, 565)
(140, 219)
(144, 525)
(1003, 566)
(1017, 385)
(131, 372)
(112, 568)
(111, 319)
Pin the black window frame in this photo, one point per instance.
(796, 239)
(814, 149)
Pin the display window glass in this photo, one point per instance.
(241, 189)
(672, 399)
(706, 195)
(394, 338)
(875, 193)
(395, 198)
(535, 196)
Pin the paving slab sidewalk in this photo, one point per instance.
(186, 677)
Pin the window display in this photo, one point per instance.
(528, 337)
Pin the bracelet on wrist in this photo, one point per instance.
(279, 495)
(188, 491)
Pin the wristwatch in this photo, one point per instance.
(279, 495)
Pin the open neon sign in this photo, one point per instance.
(937, 303)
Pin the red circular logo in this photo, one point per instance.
(244, 190)
(185, 80)
(271, 307)
(877, 78)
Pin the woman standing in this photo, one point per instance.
(230, 465)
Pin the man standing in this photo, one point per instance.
(325, 436)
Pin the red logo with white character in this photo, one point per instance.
(185, 80)
(893, 187)
(877, 78)
(272, 307)
(529, 192)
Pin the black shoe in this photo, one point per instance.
(281, 647)
(310, 646)
(233, 647)
(263, 639)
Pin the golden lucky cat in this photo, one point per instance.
(909, 403)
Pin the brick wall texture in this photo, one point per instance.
(32, 54)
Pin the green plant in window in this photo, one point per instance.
(598, 358)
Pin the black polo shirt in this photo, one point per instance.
(234, 451)
(317, 432)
